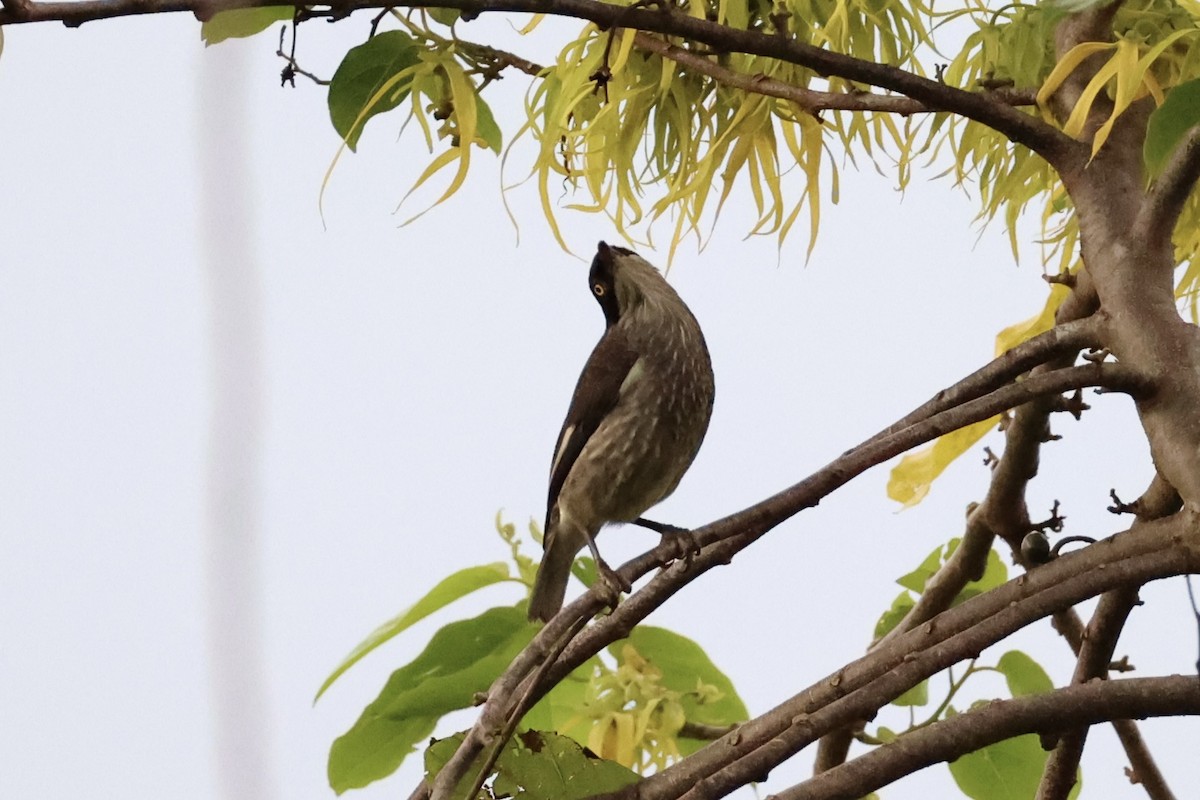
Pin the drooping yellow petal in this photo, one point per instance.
(911, 479)
(1041, 322)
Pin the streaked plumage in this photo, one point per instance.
(636, 421)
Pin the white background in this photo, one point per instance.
(398, 386)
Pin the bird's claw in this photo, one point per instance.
(613, 584)
(683, 541)
(686, 546)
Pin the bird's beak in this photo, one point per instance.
(604, 253)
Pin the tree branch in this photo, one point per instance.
(1070, 627)
(721, 540)
(1170, 192)
(857, 690)
(1099, 644)
(1002, 511)
(1090, 25)
(810, 100)
(1145, 769)
(1058, 149)
(1085, 704)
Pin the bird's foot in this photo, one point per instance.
(612, 583)
(684, 543)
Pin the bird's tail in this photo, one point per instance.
(550, 586)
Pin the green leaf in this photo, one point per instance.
(559, 710)
(1169, 123)
(916, 696)
(546, 766)
(437, 754)
(584, 568)
(536, 765)
(446, 16)
(903, 603)
(461, 660)
(1024, 675)
(994, 574)
(486, 127)
(917, 579)
(361, 75)
(683, 663)
(242, 22)
(1007, 770)
(458, 585)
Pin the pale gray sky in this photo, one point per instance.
(410, 382)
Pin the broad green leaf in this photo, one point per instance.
(559, 710)
(917, 579)
(461, 660)
(683, 664)
(545, 766)
(1024, 675)
(458, 585)
(1007, 770)
(994, 574)
(437, 754)
(911, 479)
(1169, 123)
(487, 129)
(584, 568)
(536, 765)
(916, 696)
(365, 70)
(903, 603)
(446, 16)
(242, 22)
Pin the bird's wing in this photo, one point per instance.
(596, 394)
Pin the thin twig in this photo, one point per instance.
(1099, 643)
(811, 100)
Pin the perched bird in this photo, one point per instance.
(635, 423)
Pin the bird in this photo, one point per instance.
(635, 423)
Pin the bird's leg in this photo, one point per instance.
(685, 544)
(611, 579)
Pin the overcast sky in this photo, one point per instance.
(395, 387)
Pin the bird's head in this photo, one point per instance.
(622, 281)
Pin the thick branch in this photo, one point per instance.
(1170, 192)
(1018, 126)
(1085, 704)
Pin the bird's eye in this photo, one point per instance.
(598, 289)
